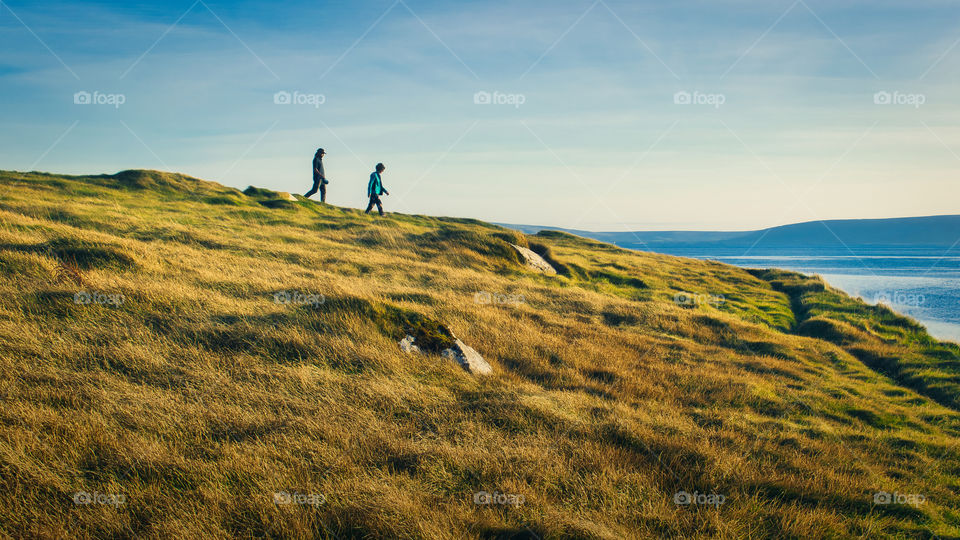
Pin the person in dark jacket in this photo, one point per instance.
(319, 179)
(375, 189)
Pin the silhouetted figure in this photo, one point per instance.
(375, 188)
(319, 180)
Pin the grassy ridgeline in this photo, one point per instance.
(181, 382)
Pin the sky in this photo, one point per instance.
(590, 114)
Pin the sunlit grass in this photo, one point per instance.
(198, 397)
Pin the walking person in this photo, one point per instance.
(375, 189)
(319, 179)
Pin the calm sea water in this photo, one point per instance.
(923, 283)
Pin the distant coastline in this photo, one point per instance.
(917, 274)
(925, 231)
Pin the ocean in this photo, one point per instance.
(920, 282)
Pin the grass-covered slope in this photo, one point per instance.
(892, 344)
(202, 352)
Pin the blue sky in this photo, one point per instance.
(784, 124)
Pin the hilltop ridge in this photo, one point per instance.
(145, 351)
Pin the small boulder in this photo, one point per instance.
(461, 353)
(535, 261)
(407, 346)
(468, 358)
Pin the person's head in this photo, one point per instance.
(380, 167)
(320, 152)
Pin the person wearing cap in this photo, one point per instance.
(375, 189)
(319, 180)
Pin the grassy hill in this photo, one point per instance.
(201, 357)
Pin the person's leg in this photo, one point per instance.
(370, 206)
(316, 184)
(323, 193)
(379, 206)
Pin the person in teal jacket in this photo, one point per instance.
(375, 189)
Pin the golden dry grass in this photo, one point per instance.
(198, 398)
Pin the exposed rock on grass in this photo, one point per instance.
(468, 358)
(407, 346)
(534, 261)
(461, 353)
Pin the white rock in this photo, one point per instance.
(468, 358)
(407, 346)
(534, 261)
